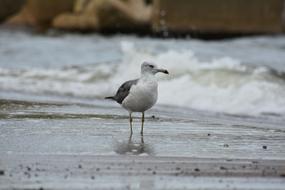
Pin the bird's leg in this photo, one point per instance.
(142, 141)
(142, 123)
(130, 138)
(131, 125)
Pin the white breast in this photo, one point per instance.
(142, 96)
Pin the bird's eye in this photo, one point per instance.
(151, 66)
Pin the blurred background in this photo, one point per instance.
(151, 16)
(223, 55)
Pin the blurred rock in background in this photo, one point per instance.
(106, 14)
(83, 17)
(40, 13)
(8, 7)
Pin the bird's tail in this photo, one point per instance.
(110, 98)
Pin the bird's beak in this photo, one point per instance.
(162, 71)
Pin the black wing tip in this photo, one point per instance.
(110, 98)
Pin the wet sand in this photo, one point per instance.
(71, 145)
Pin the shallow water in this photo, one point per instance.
(95, 129)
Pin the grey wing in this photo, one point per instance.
(124, 90)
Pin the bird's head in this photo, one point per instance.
(151, 68)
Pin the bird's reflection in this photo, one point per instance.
(131, 147)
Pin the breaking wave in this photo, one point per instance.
(221, 84)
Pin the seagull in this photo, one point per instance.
(140, 94)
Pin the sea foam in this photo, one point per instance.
(221, 84)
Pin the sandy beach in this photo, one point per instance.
(207, 77)
(65, 145)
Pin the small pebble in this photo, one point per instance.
(2, 172)
(209, 134)
(223, 168)
(79, 166)
(197, 169)
(264, 147)
(226, 145)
